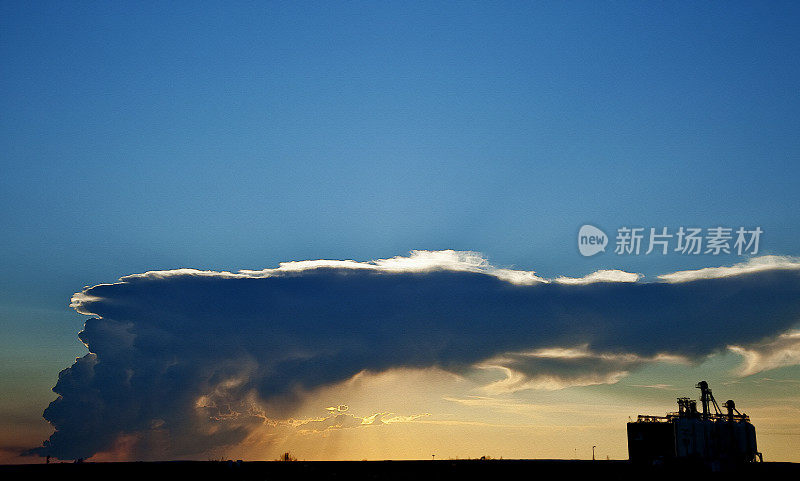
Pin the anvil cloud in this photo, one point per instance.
(178, 359)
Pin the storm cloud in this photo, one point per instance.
(187, 360)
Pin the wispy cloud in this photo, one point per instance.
(655, 386)
(779, 351)
(557, 368)
(347, 421)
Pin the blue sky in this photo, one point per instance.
(147, 136)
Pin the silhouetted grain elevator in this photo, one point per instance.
(692, 435)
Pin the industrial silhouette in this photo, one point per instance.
(713, 438)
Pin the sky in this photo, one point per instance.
(452, 152)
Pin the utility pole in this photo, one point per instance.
(593, 452)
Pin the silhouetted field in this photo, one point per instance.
(439, 469)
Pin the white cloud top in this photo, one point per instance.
(756, 264)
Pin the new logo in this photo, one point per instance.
(591, 240)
